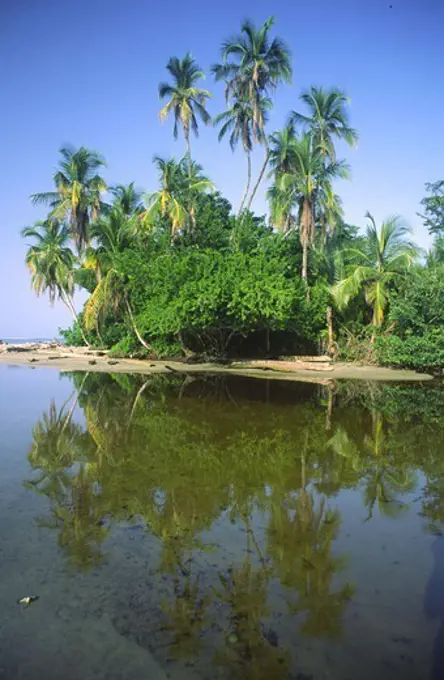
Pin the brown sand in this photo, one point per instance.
(69, 359)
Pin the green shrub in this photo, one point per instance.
(424, 352)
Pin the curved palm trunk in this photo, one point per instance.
(247, 188)
(68, 302)
(134, 327)
(262, 172)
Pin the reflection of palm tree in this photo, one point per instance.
(78, 517)
(60, 451)
(300, 535)
(384, 478)
(346, 465)
(250, 651)
(186, 617)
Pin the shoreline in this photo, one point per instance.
(75, 359)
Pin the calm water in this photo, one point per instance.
(214, 528)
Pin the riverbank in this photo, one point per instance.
(52, 355)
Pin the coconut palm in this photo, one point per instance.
(330, 211)
(282, 196)
(256, 69)
(78, 192)
(305, 182)
(177, 194)
(112, 234)
(238, 122)
(186, 101)
(385, 254)
(51, 263)
(126, 199)
(327, 119)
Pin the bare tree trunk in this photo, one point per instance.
(247, 188)
(134, 327)
(68, 302)
(330, 330)
(190, 202)
(304, 259)
(262, 172)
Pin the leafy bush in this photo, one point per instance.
(128, 346)
(419, 352)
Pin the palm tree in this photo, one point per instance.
(305, 182)
(385, 254)
(258, 67)
(237, 121)
(281, 196)
(51, 263)
(112, 234)
(176, 196)
(127, 199)
(78, 190)
(186, 101)
(330, 209)
(327, 118)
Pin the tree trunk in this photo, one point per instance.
(262, 172)
(247, 188)
(68, 302)
(304, 259)
(330, 330)
(190, 202)
(134, 327)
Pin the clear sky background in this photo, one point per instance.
(86, 72)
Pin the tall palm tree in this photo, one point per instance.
(281, 196)
(51, 263)
(78, 192)
(237, 121)
(186, 101)
(176, 196)
(327, 119)
(257, 68)
(385, 254)
(112, 234)
(308, 176)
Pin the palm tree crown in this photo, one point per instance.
(186, 100)
(78, 190)
(252, 67)
(385, 254)
(50, 259)
(178, 190)
(327, 119)
(238, 122)
(258, 66)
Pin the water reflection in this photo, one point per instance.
(179, 457)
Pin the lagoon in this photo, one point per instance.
(220, 527)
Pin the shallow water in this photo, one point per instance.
(220, 528)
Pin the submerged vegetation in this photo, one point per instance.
(179, 271)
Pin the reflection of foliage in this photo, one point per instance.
(300, 539)
(186, 617)
(249, 650)
(60, 453)
(179, 454)
(384, 477)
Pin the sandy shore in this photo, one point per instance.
(70, 359)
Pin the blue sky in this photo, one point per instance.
(87, 73)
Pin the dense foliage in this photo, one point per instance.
(178, 271)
